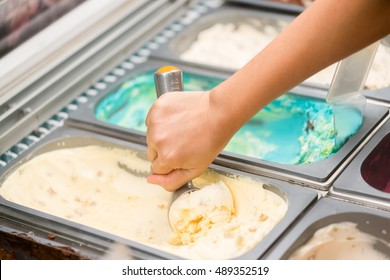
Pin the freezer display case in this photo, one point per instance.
(73, 180)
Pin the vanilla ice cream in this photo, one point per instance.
(105, 188)
(341, 241)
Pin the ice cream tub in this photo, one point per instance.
(92, 188)
(367, 177)
(291, 138)
(335, 229)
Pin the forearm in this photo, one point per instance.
(325, 33)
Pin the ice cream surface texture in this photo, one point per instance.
(231, 45)
(340, 241)
(292, 129)
(100, 187)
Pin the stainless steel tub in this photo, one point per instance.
(86, 238)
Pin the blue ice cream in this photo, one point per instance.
(292, 129)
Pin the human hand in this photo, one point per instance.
(183, 137)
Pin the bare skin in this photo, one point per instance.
(186, 132)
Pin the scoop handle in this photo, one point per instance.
(168, 79)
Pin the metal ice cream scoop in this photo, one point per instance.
(168, 79)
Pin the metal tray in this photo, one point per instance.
(382, 95)
(351, 181)
(317, 174)
(85, 237)
(283, 6)
(328, 211)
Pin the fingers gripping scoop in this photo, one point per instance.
(192, 208)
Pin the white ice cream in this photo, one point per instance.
(231, 45)
(341, 241)
(92, 186)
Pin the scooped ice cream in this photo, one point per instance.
(341, 241)
(105, 188)
(194, 213)
(256, 212)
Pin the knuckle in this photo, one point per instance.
(170, 158)
(153, 138)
